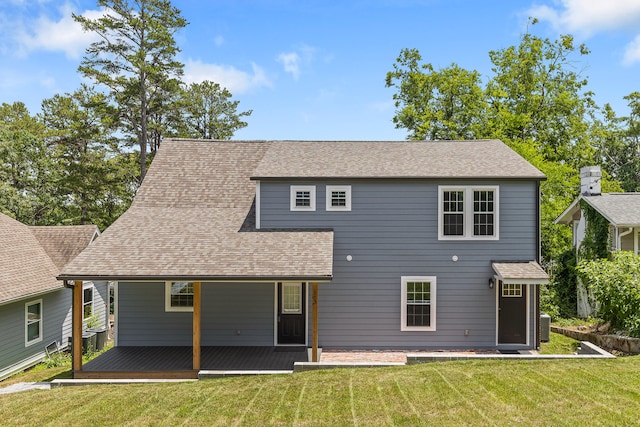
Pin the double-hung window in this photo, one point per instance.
(338, 198)
(33, 322)
(303, 198)
(418, 310)
(468, 213)
(179, 296)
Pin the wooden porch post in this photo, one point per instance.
(314, 322)
(76, 328)
(197, 305)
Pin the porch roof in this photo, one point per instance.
(194, 219)
(525, 272)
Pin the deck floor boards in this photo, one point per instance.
(140, 359)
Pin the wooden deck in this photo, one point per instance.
(175, 362)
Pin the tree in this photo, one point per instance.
(436, 105)
(79, 134)
(134, 59)
(27, 176)
(209, 112)
(619, 144)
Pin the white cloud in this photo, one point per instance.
(590, 16)
(632, 52)
(291, 63)
(237, 81)
(64, 35)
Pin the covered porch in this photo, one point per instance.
(183, 361)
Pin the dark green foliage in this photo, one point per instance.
(615, 284)
(563, 286)
(594, 245)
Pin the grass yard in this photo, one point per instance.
(481, 392)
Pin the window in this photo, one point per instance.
(338, 197)
(511, 290)
(179, 296)
(291, 298)
(418, 310)
(468, 213)
(33, 322)
(303, 198)
(87, 302)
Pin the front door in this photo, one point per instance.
(512, 314)
(291, 315)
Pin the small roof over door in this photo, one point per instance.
(527, 272)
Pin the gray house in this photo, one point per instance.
(35, 307)
(620, 210)
(337, 245)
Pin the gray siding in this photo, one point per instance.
(100, 303)
(232, 314)
(56, 315)
(392, 231)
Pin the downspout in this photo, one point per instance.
(621, 235)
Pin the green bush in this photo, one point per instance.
(615, 284)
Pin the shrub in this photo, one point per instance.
(615, 284)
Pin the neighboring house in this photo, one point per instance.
(621, 211)
(339, 245)
(35, 307)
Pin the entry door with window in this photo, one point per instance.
(512, 314)
(291, 315)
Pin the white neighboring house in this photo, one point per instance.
(35, 307)
(621, 210)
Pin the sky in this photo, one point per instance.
(315, 69)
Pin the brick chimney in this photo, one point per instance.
(590, 177)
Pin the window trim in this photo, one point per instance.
(27, 343)
(403, 302)
(468, 211)
(167, 298)
(512, 290)
(312, 198)
(93, 298)
(329, 198)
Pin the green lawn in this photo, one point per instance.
(480, 392)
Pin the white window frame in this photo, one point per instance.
(512, 290)
(84, 303)
(298, 286)
(167, 298)
(432, 302)
(342, 188)
(312, 197)
(468, 211)
(27, 343)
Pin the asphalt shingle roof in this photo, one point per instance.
(520, 272)
(31, 257)
(397, 159)
(193, 219)
(620, 209)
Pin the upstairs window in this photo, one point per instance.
(467, 213)
(179, 296)
(338, 198)
(303, 198)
